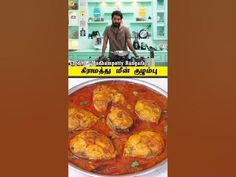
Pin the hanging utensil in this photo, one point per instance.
(143, 33)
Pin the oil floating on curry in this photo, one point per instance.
(117, 128)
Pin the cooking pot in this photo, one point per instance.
(120, 53)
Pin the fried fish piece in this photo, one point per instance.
(103, 95)
(90, 144)
(117, 97)
(119, 120)
(79, 119)
(146, 144)
(148, 110)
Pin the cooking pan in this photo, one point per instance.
(120, 53)
(158, 167)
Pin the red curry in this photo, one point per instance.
(121, 165)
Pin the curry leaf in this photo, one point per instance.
(135, 164)
(83, 103)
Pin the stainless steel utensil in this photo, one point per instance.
(157, 167)
(120, 53)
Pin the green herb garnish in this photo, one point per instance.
(135, 164)
(83, 103)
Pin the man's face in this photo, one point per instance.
(116, 20)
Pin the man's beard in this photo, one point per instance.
(116, 25)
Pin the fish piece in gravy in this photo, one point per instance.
(146, 144)
(90, 144)
(79, 119)
(148, 110)
(103, 95)
(119, 120)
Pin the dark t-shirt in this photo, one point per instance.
(117, 40)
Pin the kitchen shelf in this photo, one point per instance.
(122, 12)
(160, 24)
(161, 10)
(98, 22)
(160, 27)
(161, 38)
(161, 4)
(122, 1)
(142, 22)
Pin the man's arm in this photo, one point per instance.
(129, 43)
(104, 45)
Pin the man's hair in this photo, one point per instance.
(118, 13)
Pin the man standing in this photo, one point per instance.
(118, 35)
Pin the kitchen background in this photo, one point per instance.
(147, 21)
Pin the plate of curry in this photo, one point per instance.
(117, 127)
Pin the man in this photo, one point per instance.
(118, 36)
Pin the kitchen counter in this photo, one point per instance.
(99, 51)
(161, 57)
